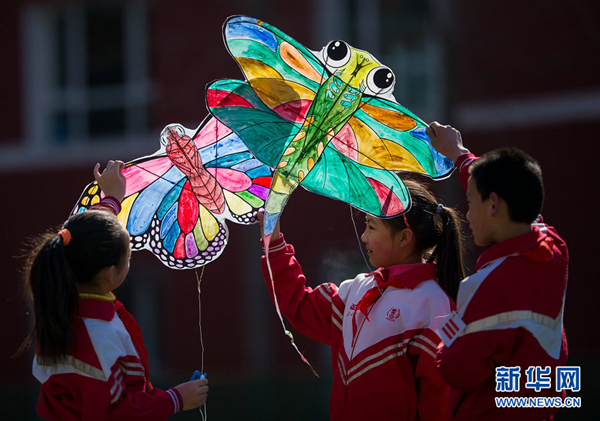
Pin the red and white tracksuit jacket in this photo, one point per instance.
(513, 310)
(105, 374)
(386, 369)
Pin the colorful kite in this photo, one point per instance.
(178, 199)
(324, 120)
(327, 121)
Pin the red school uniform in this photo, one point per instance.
(382, 357)
(105, 373)
(512, 307)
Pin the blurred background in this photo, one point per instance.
(86, 81)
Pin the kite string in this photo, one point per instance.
(199, 281)
(360, 247)
(285, 329)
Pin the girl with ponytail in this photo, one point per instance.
(437, 236)
(90, 356)
(382, 326)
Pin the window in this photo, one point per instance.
(414, 50)
(87, 80)
(402, 34)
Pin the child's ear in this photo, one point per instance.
(406, 235)
(110, 273)
(103, 275)
(494, 203)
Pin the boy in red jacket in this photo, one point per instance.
(507, 337)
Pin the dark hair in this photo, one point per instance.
(515, 177)
(53, 270)
(436, 233)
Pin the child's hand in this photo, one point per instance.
(446, 140)
(193, 393)
(261, 217)
(111, 181)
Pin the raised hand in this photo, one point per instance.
(112, 181)
(446, 140)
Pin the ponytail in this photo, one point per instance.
(448, 253)
(437, 234)
(54, 269)
(54, 295)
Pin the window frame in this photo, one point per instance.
(43, 96)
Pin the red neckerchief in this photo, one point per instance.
(411, 278)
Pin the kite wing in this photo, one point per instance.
(178, 199)
(322, 121)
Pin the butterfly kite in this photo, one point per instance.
(326, 121)
(178, 199)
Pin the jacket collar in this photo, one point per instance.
(535, 245)
(93, 306)
(411, 276)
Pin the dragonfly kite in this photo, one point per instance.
(326, 121)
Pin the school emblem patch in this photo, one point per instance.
(393, 314)
(352, 309)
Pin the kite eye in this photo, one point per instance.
(380, 80)
(337, 54)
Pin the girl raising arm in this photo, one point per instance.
(90, 356)
(381, 326)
